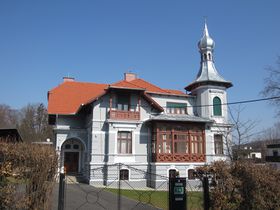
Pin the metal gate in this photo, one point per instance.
(122, 187)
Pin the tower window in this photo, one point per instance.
(209, 56)
(205, 56)
(217, 106)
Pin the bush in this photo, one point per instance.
(27, 175)
(244, 186)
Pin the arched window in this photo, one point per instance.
(217, 106)
(124, 174)
(209, 56)
(173, 173)
(191, 174)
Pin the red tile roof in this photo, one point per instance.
(125, 84)
(175, 92)
(148, 86)
(68, 97)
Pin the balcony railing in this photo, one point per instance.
(272, 158)
(124, 115)
(178, 157)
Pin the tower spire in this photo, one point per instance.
(205, 26)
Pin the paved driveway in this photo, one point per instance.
(85, 197)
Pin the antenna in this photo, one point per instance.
(130, 69)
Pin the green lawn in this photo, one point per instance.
(160, 198)
(12, 180)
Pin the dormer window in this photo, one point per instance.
(123, 102)
(176, 108)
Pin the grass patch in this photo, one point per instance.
(11, 180)
(160, 198)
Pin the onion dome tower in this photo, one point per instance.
(209, 86)
(207, 75)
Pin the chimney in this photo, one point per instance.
(68, 79)
(129, 76)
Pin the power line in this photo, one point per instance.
(243, 102)
(222, 104)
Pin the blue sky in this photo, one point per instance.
(99, 40)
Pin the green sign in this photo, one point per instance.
(178, 190)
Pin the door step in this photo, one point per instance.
(74, 179)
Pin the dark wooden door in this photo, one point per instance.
(71, 162)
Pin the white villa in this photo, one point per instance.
(139, 124)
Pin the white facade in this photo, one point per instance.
(90, 137)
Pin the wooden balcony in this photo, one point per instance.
(124, 115)
(178, 157)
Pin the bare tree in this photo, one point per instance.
(8, 117)
(243, 130)
(237, 133)
(272, 84)
(271, 133)
(34, 123)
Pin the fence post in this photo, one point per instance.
(61, 194)
(119, 187)
(206, 198)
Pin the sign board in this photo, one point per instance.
(177, 193)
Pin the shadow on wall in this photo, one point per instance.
(105, 129)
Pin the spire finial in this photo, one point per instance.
(205, 26)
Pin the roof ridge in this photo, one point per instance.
(93, 83)
(135, 84)
(151, 84)
(125, 82)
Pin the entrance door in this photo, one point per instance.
(71, 162)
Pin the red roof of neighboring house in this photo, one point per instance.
(68, 97)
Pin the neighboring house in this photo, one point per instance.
(273, 155)
(139, 124)
(248, 151)
(10, 135)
